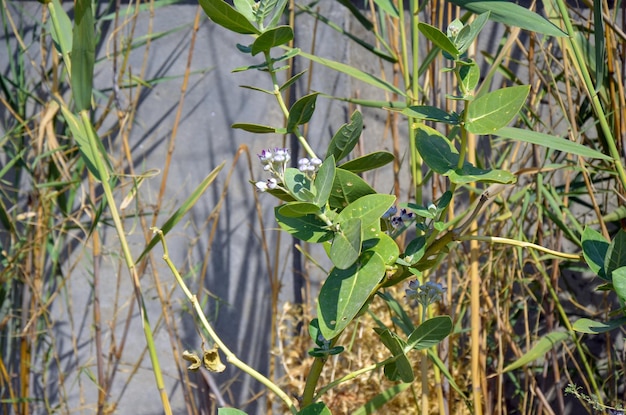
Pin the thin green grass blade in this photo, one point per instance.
(354, 73)
(550, 141)
(381, 399)
(183, 209)
(83, 55)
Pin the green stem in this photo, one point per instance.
(521, 244)
(281, 103)
(230, 356)
(108, 193)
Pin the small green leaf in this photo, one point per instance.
(273, 37)
(347, 188)
(619, 282)
(550, 141)
(258, 129)
(616, 254)
(346, 246)
(585, 325)
(469, 32)
(307, 228)
(595, 248)
(299, 185)
(346, 137)
(324, 180)
(495, 110)
(230, 411)
(439, 39)
(291, 80)
(224, 15)
(301, 111)
(469, 73)
(368, 162)
(547, 342)
(345, 292)
(439, 154)
(430, 333)
(401, 368)
(429, 113)
(317, 408)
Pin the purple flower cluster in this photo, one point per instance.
(275, 162)
(398, 221)
(425, 294)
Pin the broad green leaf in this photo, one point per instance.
(368, 162)
(429, 113)
(258, 129)
(345, 292)
(616, 254)
(511, 14)
(307, 228)
(355, 73)
(246, 8)
(273, 37)
(401, 368)
(347, 188)
(368, 208)
(324, 180)
(495, 110)
(83, 55)
(376, 240)
(438, 38)
(346, 246)
(430, 333)
(60, 28)
(550, 141)
(317, 408)
(595, 248)
(301, 111)
(381, 399)
(619, 282)
(439, 154)
(346, 137)
(183, 209)
(230, 411)
(585, 325)
(297, 209)
(224, 15)
(547, 342)
(299, 185)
